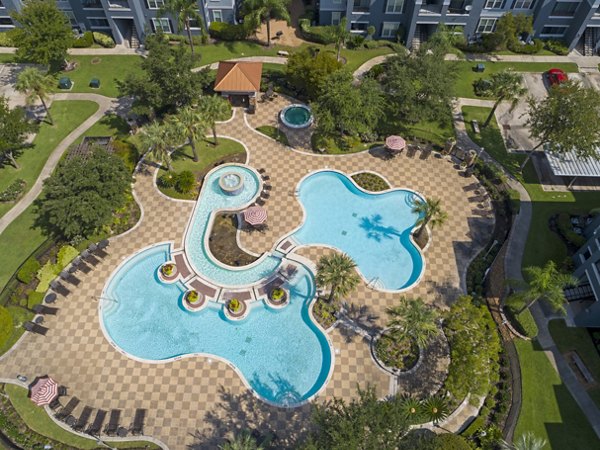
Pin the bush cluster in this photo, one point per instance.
(556, 47)
(197, 40)
(527, 49)
(563, 222)
(227, 31)
(319, 34)
(28, 270)
(182, 182)
(523, 322)
(6, 40)
(13, 191)
(85, 41)
(103, 39)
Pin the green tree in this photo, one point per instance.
(159, 139)
(505, 85)
(190, 124)
(527, 441)
(413, 319)
(44, 33)
(474, 348)
(36, 85)
(337, 271)
(341, 34)
(256, 12)
(242, 441)
(213, 108)
(185, 11)
(567, 120)
(345, 108)
(430, 213)
(447, 441)
(542, 283)
(511, 27)
(442, 41)
(307, 70)
(82, 193)
(363, 423)
(14, 128)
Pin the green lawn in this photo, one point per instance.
(67, 116)
(107, 68)
(274, 133)
(577, 339)
(436, 132)
(37, 419)
(19, 316)
(208, 155)
(466, 76)
(549, 410)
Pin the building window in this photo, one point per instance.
(523, 4)
(336, 17)
(587, 254)
(161, 23)
(494, 4)
(194, 24)
(359, 26)
(554, 31)
(91, 4)
(155, 4)
(337, 2)
(394, 6)
(389, 29)
(6, 22)
(486, 25)
(361, 5)
(217, 15)
(564, 9)
(71, 17)
(97, 22)
(1, 4)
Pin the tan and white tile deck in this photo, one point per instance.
(197, 399)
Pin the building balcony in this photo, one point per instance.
(434, 8)
(91, 4)
(118, 4)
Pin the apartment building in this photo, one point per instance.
(127, 20)
(576, 22)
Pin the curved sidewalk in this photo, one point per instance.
(105, 105)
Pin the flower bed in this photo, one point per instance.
(324, 313)
(396, 353)
(370, 181)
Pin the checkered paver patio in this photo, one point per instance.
(199, 400)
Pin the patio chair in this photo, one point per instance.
(260, 202)
(96, 426)
(83, 418)
(267, 187)
(113, 422)
(265, 177)
(261, 171)
(137, 427)
(43, 309)
(68, 409)
(265, 194)
(62, 391)
(59, 288)
(35, 328)
(103, 244)
(54, 404)
(87, 256)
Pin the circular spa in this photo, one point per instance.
(296, 116)
(231, 183)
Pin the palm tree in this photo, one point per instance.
(435, 409)
(243, 441)
(543, 282)
(256, 12)
(185, 11)
(341, 35)
(35, 84)
(158, 139)
(411, 408)
(337, 272)
(527, 441)
(213, 107)
(505, 85)
(430, 212)
(190, 124)
(412, 318)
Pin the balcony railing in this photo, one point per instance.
(92, 4)
(435, 8)
(118, 4)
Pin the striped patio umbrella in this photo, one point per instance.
(255, 215)
(43, 391)
(395, 143)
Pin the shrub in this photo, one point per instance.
(185, 181)
(566, 230)
(355, 41)
(85, 41)
(167, 269)
(103, 39)
(523, 322)
(46, 274)
(192, 296)
(6, 40)
(34, 298)
(28, 270)
(65, 255)
(13, 191)
(6, 325)
(527, 49)
(127, 152)
(234, 305)
(320, 35)
(277, 294)
(556, 47)
(167, 180)
(481, 86)
(227, 31)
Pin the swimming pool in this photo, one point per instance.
(282, 355)
(374, 229)
(296, 116)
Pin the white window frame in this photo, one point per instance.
(391, 7)
(149, 3)
(196, 28)
(214, 12)
(12, 25)
(493, 4)
(97, 8)
(393, 31)
(2, 5)
(486, 27)
(157, 22)
(102, 27)
(359, 31)
(339, 17)
(564, 27)
(522, 4)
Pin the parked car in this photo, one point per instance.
(556, 76)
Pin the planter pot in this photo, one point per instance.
(196, 305)
(172, 278)
(239, 314)
(279, 303)
(393, 370)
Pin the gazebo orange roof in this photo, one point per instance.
(238, 76)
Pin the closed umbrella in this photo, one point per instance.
(255, 215)
(43, 391)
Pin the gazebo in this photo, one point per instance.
(239, 82)
(572, 168)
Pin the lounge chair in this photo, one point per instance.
(43, 309)
(68, 409)
(59, 288)
(35, 328)
(265, 194)
(260, 202)
(83, 418)
(113, 422)
(87, 256)
(96, 426)
(267, 187)
(137, 427)
(54, 404)
(103, 244)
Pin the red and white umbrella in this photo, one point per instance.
(44, 391)
(395, 143)
(255, 215)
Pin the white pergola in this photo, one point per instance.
(570, 165)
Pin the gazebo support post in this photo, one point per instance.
(572, 181)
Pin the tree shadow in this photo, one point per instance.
(376, 230)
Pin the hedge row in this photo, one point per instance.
(320, 34)
(227, 31)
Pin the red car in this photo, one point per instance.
(556, 77)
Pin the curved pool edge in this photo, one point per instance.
(290, 235)
(293, 126)
(209, 356)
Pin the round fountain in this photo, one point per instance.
(231, 183)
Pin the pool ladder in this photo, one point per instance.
(375, 283)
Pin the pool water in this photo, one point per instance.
(281, 354)
(297, 115)
(374, 229)
(231, 180)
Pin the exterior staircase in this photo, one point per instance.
(134, 42)
(588, 42)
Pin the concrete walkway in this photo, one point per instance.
(118, 50)
(262, 59)
(105, 105)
